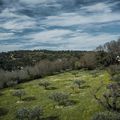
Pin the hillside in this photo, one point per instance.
(84, 107)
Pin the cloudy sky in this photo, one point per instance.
(58, 24)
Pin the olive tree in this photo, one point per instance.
(19, 94)
(79, 83)
(60, 98)
(22, 114)
(45, 84)
(35, 113)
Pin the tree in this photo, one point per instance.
(45, 84)
(79, 83)
(36, 113)
(88, 60)
(107, 54)
(22, 114)
(19, 94)
(60, 98)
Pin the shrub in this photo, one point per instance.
(36, 113)
(19, 94)
(74, 73)
(45, 84)
(114, 69)
(11, 83)
(79, 83)
(3, 111)
(116, 77)
(22, 114)
(106, 116)
(110, 99)
(88, 61)
(60, 98)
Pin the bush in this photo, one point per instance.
(79, 83)
(88, 60)
(74, 73)
(3, 111)
(11, 83)
(114, 69)
(35, 113)
(110, 99)
(116, 78)
(45, 84)
(60, 98)
(19, 94)
(22, 114)
(106, 116)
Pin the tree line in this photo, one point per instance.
(22, 66)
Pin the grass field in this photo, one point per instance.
(85, 105)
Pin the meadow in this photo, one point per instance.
(84, 107)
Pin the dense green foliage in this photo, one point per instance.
(107, 54)
(18, 59)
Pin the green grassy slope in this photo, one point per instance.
(85, 105)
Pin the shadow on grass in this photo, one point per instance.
(30, 98)
(84, 87)
(1, 94)
(3, 111)
(51, 88)
(67, 103)
(51, 118)
(71, 103)
(18, 87)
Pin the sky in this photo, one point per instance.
(58, 24)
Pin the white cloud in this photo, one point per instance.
(51, 36)
(99, 7)
(100, 13)
(5, 48)
(9, 13)
(59, 41)
(5, 36)
(16, 22)
(69, 40)
(86, 41)
(70, 19)
(37, 1)
(16, 25)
